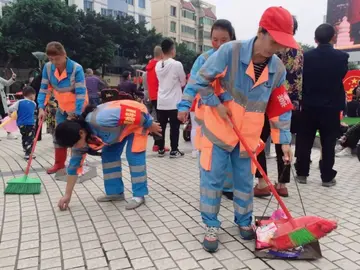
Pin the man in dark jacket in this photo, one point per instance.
(323, 98)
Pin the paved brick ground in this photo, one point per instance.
(167, 231)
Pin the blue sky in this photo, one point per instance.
(245, 15)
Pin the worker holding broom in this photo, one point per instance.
(66, 79)
(110, 127)
(252, 78)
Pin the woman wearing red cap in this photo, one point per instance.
(251, 83)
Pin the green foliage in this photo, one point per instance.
(306, 47)
(89, 38)
(352, 66)
(185, 56)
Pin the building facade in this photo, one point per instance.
(139, 9)
(186, 22)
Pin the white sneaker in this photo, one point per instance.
(346, 152)
(10, 136)
(194, 154)
(338, 148)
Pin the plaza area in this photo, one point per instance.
(167, 232)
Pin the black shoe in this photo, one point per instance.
(176, 154)
(358, 151)
(161, 153)
(329, 184)
(229, 195)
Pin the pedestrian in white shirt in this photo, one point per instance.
(172, 78)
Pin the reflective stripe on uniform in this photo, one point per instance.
(212, 138)
(115, 130)
(212, 194)
(111, 165)
(242, 196)
(280, 125)
(139, 179)
(212, 209)
(44, 81)
(137, 169)
(70, 88)
(242, 210)
(188, 98)
(112, 175)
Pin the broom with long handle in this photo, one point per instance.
(24, 184)
(292, 232)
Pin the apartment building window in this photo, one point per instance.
(189, 14)
(130, 2)
(190, 45)
(119, 13)
(206, 20)
(88, 5)
(173, 27)
(142, 18)
(103, 11)
(173, 11)
(141, 3)
(110, 12)
(204, 35)
(188, 30)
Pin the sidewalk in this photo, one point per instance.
(166, 233)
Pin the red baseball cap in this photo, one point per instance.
(280, 25)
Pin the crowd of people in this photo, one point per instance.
(263, 87)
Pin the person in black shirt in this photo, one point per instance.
(323, 99)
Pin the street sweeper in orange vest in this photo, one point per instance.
(66, 79)
(239, 83)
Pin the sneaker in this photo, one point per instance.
(211, 240)
(27, 157)
(156, 148)
(247, 233)
(10, 136)
(329, 184)
(176, 154)
(261, 192)
(301, 179)
(161, 153)
(346, 152)
(109, 198)
(194, 154)
(135, 203)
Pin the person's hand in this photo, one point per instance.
(286, 148)
(64, 202)
(155, 128)
(41, 114)
(223, 111)
(183, 116)
(13, 76)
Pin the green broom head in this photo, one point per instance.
(303, 230)
(23, 185)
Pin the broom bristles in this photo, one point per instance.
(23, 185)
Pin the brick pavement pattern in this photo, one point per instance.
(166, 233)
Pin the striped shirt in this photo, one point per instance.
(258, 68)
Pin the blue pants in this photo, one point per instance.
(228, 185)
(111, 162)
(212, 184)
(59, 118)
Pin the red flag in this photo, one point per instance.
(279, 102)
(351, 81)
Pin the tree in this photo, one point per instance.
(95, 46)
(352, 66)
(306, 47)
(28, 25)
(185, 56)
